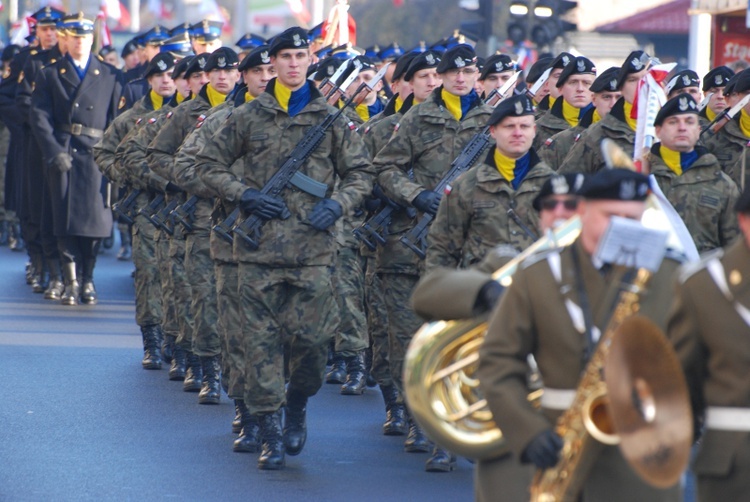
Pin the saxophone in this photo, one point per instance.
(587, 420)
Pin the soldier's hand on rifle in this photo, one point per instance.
(325, 213)
(63, 162)
(265, 206)
(427, 202)
(172, 188)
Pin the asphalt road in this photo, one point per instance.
(80, 420)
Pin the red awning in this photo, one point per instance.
(670, 18)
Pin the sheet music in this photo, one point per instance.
(627, 242)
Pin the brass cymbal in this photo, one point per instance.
(649, 402)
(615, 157)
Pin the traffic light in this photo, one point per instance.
(481, 27)
(540, 20)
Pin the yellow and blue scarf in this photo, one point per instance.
(745, 123)
(512, 170)
(573, 115)
(678, 162)
(458, 106)
(156, 100)
(290, 101)
(366, 112)
(626, 109)
(215, 98)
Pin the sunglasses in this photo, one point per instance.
(550, 204)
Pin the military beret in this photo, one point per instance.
(47, 16)
(562, 60)
(326, 68)
(206, 31)
(537, 69)
(361, 62)
(421, 61)
(615, 184)
(679, 105)
(179, 45)
(391, 52)
(559, 184)
(250, 41)
(180, 67)
(457, 57)
(107, 49)
(155, 36)
(160, 63)
(606, 81)
(497, 63)
(402, 65)
(515, 106)
(9, 51)
(742, 81)
(743, 203)
(578, 66)
(718, 77)
(197, 64)
(682, 80)
(729, 88)
(256, 57)
(222, 58)
(129, 48)
(635, 62)
(291, 38)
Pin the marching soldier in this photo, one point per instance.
(714, 83)
(496, 71)
(551, 91)
(285, 289)
(535, 72)
(691, 178)
(684, 82)
(74, 100)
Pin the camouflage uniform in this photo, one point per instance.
(473, 218)
(586, 155)
(285, 288)
(703, 196)
(728, 146)
(425, 143)
(549, 124)
(555, 149)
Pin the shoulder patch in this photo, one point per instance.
(549, 141)
(138, 120)
(169, 115)
(367, 129)
(687, 270)
(152, 120)
(396, 127)
(578, 136)
(121, 104)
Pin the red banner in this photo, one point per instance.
(731, 40)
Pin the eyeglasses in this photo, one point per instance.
(551, 204)
(453, 72)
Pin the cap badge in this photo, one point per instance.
(683, 104)
(460, 63)
(686, 80)
(559, 185)
(565, 60)
(613, 84)
(581, 65)
(499, 67)
(519, 108)
(627, 190)
(296, 40)
(161, 65)
(636, 64)
(430, 59)
(718, 80)
(330, 70)
(222, 62)
(202, 63)
(264, 57)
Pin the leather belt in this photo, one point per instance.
(728, 418)
(80, 130)
(558, 399)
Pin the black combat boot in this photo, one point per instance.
(55, 289)
(151, 353)
(337, 374)
(194, 374)
(210, 392)
(272, 446)
(295, 424)
(178, 367)
(371, 382)
(355, 376)
(395, 413)
(249, 439)
(72, 289)
(167, 348)
(416, 441)
(88, 294)
(4, 233)
(440, 461)
(237, 420)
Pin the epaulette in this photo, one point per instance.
(540, 255)
(691, 268)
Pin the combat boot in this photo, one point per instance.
(249, 439)
(355, 376)
(295, 424)
(395, 413)
(337, 374)
(179, 364)
(88, 294)
(440, 461)
(371, 382)
(210, 392)
(4, 234)
(15, 241)
(272, 445)
(194, 374)
(54, 290)
(72, 289)
(416, 441)
(237, 420)
(151, 353)
(168, 347)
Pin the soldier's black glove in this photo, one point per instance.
(172, 188)
(544, 450)
(265, 206)
(325, 213)
(488, 297)
(427, 202)
(63, 162)
(372, 204)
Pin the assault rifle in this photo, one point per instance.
(185, 213)
(161, 218)
(124, 206)
(152, 208)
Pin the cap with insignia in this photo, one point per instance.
(606, 81)
(324, 52)
(345, 51)
(559, 184)
(615, 184)
(106, 50)
(181, 66)
(78, 26)
(391, 52)
(47, 16)
(422, 61)
(681, 104)
(635, 62)
(497, 63)
(742, 81)
(682, 80)
(180, 29)
(729, 88)
(440, 46)
(155, 36)
(718, 77)
(458, 38)
(222, 58)
(422, 47)
(160, 63)
(179, 45)
(256, 57)
(373, 52)
(326, 69)
(402, 65)
(197, 64)
(743, 203)
(291, 38)
(515, 106)
(206, 31)
(9, 51)
(315, 33)
(537, 69)
(250, 41)
(457, 57)
(577, 66)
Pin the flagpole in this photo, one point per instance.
(135, 15)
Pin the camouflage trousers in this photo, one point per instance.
(349, 283)
(199, 270)
(402, 321)
(182, 290)
(4, 147)
(169, 322)
(377, 324)
(148, 296)
(284, 305)
(230, 329)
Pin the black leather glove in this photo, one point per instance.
(325, 213)
(372, 204)
(265, 206)
(63, 162)
(172, 188)
(427, 202)
(488, 297)
(544, 450)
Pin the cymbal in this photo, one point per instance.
(614, 156)
(649, 402)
